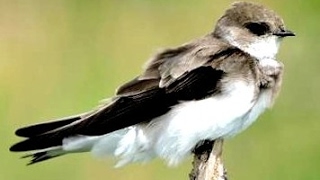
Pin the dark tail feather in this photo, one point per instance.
(43, 141)
(37, 129)
(44, 135)
(45, 138)
(44, 155)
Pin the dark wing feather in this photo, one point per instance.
(136, 86)
(143, 107)
(195, 85)
(132, 109)
(37, 129)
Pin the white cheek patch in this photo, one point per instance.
(261, 48)
(264, 47)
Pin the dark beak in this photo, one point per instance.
(284, 33)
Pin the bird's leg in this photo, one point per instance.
(207, 164)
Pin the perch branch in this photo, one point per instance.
(207, 162)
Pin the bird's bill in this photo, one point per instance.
(284, 33)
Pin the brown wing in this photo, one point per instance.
(170, 64)
(152, 94)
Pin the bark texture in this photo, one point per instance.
(207, 162)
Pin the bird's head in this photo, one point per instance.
(253, 29)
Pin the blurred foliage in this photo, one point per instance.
(59, 58)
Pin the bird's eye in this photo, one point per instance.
(258, 29)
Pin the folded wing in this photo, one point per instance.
(124, 110)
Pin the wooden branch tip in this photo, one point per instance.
(207, 162)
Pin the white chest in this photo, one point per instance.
(262, 102)
(176, 133)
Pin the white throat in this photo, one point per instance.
(262, 48)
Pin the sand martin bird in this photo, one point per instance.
(211, 88)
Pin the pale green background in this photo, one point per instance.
(60, 57)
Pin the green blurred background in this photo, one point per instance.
(61, 57)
